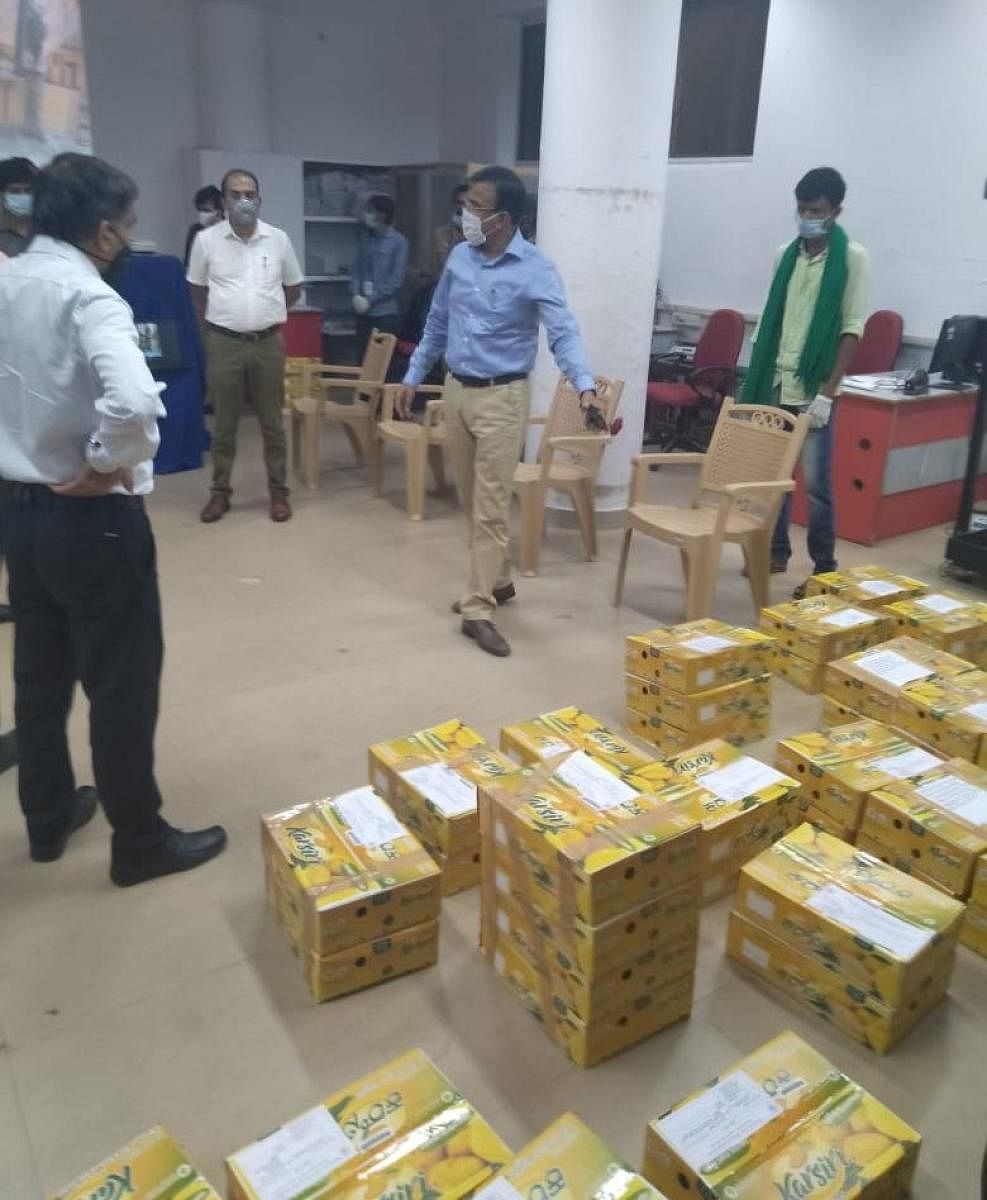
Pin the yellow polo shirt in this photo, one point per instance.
(800, 303)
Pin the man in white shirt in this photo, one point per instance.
(244, 277)
(78, 429)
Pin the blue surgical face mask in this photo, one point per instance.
(812, 228)
(371, 221)
(19, 204)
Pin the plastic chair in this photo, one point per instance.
(295, 386)
(688, 389)
(568, 460)
(423, 443)
(358, 417)
(878, 349)
(745, 475)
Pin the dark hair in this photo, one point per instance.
(16, 170)
(511, 196)
(458, 190)
(239, 171)
(208, 197)
(821, 183)
(75, 193)
(384, 206)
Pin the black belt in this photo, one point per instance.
(24, 495)
(471, 381)
(244, 337)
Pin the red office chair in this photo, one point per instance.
(878, 348)
(693, 391)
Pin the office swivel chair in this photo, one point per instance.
(879, 346)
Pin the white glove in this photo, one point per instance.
(361, 304)
(819, 411)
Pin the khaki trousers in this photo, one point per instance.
(236, 370)
(485, 428)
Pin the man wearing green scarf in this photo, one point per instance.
(804, 343)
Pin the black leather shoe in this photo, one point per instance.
(502, 595)
(86, 803)
(178, 852)
(6, 614)
(8, 750)
(488, 637)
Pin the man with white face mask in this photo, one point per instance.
(17, 177)
(244, 277)
(208, 204)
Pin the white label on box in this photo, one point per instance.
(740, 779)
(296, 1157)
(964, 800)
(757, 954)
(707, 644)
(502, 882)
(500, 833)
(978, 710)
(553, 749)
(594, 782)
(503, 921)
(761, 905)
(720, 850)
(369, 820)
(870, 921)
(878, 587)
(451, 794)
(892, 667)
(705, 676)
(938, 603)
(719, 1120)
(499, 962)
(847, 618)
(906, 765)
(500, 1189)
(708, 712)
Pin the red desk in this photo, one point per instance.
(898, 462)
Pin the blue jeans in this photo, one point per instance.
(817, 459)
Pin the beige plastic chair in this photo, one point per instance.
(358, 418)
(745, 474)
(423, 443)
(568, 461)
(295, 386)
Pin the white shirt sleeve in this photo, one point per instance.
(129, 400)
(291, 272)
(198, 266)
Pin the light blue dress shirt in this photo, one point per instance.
(485, 315)
(381, 260)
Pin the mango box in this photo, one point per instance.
(153, 1164)
(881, 930)
(973, 934)
(750, 698)
(403, 1130)
(803, 979)
(800, 672)
(783, 1122)
(437, 744)
(871, 681)
(948, 713)
(845, 794)
(822, 628)
(568, 1162)
(866, 587)
(978, 893)
(939, 820)
(822, 820)
(347, 872)
(894, 858)
(599, 842)
(834, 712)
(952, 623)
(698, 656)
(542, 739)
(738, 730)
(374, 962)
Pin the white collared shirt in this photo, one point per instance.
(74, 386)
(246, 280)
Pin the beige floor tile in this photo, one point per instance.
(18, 1176)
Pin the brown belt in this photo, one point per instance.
(258, 336)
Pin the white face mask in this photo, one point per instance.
(18, 204)
(473, 227)
(207, 217)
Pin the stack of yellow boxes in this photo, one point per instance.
(783, 1123)
(698, 681)
(542, 738)
(353, 889)
(952, 623)
(811, 633)
(402, 1131)
(974, 931)
(568, 1161)
(740, 804)
(153, 1164)
(839, 767)
(589, 906)
(863, 945)
(430, 780)
(865, 587)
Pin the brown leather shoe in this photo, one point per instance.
(217, 508)
(487, 637)
(280, 509)
(502, 595)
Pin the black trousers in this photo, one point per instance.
(365, 325)
(84, 589)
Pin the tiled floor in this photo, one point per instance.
(289, 650)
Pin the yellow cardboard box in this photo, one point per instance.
(153, 1164)
(939, 820)
(978, 893)
(403, 1130)
(948, 713)
(373, 962)
(698, 656)
(885, 932)
(952, 623)
(973, 935)
(805, 980)
(437, 744)
(546, 737)
(866, 587)
(822, 820)
(845, 794)
(800, 672)
(750, 698)
(870, 682)
(345, 871)
(834, 712)
(568, 1162)
(669, 739)
(822, 628)
(894, 858)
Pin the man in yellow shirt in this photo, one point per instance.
(804, 344)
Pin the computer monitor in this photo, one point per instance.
(960, 350)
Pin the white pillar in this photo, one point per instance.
(609, 80)
(234, 75)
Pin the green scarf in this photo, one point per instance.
(821, 342)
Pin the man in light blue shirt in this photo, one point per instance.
(378, 272)
(494, 293)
